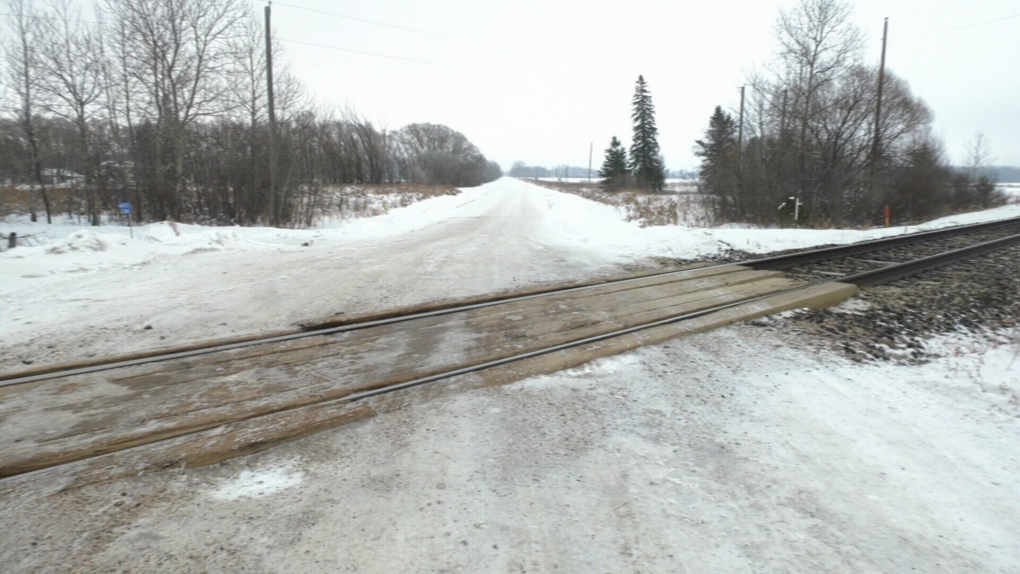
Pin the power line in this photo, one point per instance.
(371, 53)
(58, 18)
(981, 23)
(372, 22)
(283, 40)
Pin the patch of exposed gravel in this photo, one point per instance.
(893, 322)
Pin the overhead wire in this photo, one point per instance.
(379, 23)
(370, 53)
(978, 24)
(50, 17)
(372, 22)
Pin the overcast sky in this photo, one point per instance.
(537, 80)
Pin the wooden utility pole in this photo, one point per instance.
(782, 121)
(740, 132)
(740, 128)
(272, 115)
(591, 149)
(878, 120)
(878, 98)
(782, 142)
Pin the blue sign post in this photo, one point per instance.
(125, 209)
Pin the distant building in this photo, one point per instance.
(59, 176)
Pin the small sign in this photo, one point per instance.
(125, 208)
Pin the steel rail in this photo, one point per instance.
(900, 270)
(866, 279)
(869, 278)
(6, 474)
(778, 262)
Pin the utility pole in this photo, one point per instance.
(591, 148)
(740, 133)
(782, 138)
(272, 116)
(878, 98)
(740, 128)
(878, 120)
(782, 121)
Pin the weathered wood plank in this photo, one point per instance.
(98, 414)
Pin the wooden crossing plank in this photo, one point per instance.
(55, 422)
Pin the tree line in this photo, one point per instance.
(810, 134)
(523, 170)
(162, 103)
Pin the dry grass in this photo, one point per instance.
(336, 202)
(647, 209)
(16, 200)
(367, 200)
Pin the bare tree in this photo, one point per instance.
(178, 52)
(247, 85)
(248, 89)
(22, 68)
(71, 76)
(163, 102)
(809, 124)
(979, 155)
(818, 43)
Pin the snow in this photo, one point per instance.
(742, 449)
(738, 450)
(595, 179)
(257, 483)
(190, 283)
(1011, 190)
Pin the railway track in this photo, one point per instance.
(233, 397)
(890, 256)
(839, 263)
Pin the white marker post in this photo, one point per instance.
(796, 208)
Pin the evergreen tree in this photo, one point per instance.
(614, 168)
(646, 161)
(718, 153)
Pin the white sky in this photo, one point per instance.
(537, 80)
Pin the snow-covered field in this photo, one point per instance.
(595, 178)
(1012, 190)
(672, 184)
(741, 450)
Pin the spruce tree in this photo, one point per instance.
(646, 160)
(614, 168)
(718, 153)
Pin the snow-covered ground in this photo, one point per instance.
(595, 179)
(81, 291)
(1012, 190)
(730, 452)
(733, 451)
(672, 184)
(741, 450)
